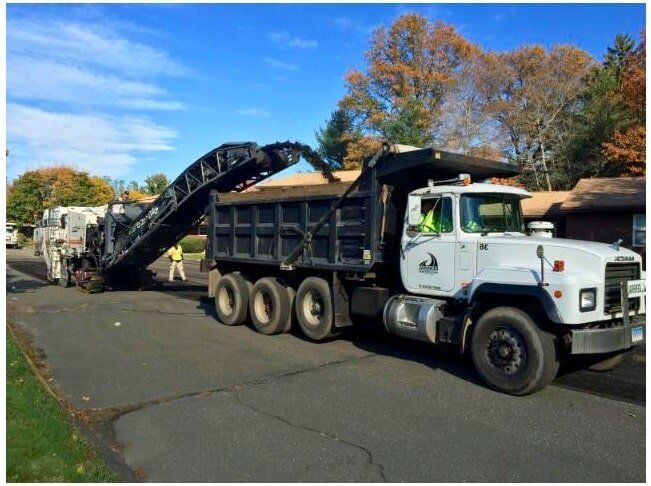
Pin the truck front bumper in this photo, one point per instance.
(630, 333)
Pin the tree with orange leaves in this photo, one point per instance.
(38, 189)
(411, 68)
(627, 148)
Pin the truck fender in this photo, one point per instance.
(496, 290)
(513, 290)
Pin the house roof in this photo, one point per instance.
(544, 203)
(607, 193)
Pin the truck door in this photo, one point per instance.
(428, 249)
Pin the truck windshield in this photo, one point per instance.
(484, 213)
(10, 230)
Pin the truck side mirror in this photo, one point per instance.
(413, 209)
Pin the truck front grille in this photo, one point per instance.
(615, 274)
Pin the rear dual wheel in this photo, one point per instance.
(270, 306)
(232, 299)
(315, 310)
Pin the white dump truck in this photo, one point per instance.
(417, 242)
(518, 304)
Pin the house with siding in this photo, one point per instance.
(608, 209)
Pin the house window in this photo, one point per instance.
(639, 230)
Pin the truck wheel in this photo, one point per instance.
(232, 299)
(511, 353)
(607, 364)
(270, 306)
(314, 309)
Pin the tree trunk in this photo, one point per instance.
(533, 168)
(544, 164)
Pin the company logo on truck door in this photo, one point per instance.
(430, 266)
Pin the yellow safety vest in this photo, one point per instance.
(428, 223)
(176, 253)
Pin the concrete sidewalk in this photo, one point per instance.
(200, 401)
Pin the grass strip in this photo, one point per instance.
(42, 444)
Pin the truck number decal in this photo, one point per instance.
(483, 246)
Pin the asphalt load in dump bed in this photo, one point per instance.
(625, 383)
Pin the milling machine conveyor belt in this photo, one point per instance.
(229, 167)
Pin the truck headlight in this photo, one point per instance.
(588, 300)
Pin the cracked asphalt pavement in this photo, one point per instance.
(194, 400)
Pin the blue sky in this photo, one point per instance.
(128, 90)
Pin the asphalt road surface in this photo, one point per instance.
(194, 400)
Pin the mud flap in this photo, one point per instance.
(341, 301)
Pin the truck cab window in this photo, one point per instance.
(436, 215)
(491, 212)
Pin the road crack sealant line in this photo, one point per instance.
(111, 414)
(158, 311)
(369, 455)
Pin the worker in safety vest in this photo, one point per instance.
(429, 222)
(433, 222)
(176, 261)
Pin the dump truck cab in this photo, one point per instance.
(589, 296)
(481, 244)
(442, 261)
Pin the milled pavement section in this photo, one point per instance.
(200, 401)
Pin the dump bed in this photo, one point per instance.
(266, 231)
(359, 236)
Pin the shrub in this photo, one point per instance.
(193, 244)
(22, 240)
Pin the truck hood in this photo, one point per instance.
(582, 259)
(604, 251)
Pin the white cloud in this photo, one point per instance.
(78, 92)
(258, 112)
(31, 78)
(286, 66)
(101, 144)
(284, 38)
(90, 45)
(349, 24)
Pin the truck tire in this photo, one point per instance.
(608, 364)
(314, 309)
(270, 307)
(232, 299)
(511, 353)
